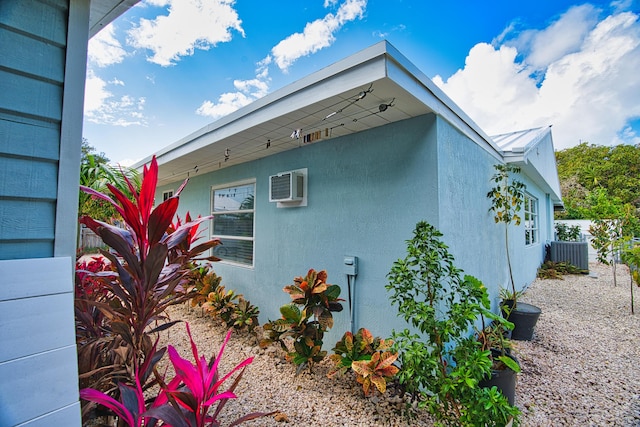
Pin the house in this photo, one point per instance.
(43, 52)
(339, 167)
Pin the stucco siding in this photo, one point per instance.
(366, 192)
(476, 242)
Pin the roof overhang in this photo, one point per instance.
(102, 12)
(371, 88)
(532, 150)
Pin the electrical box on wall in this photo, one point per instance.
(289, 189)
(350, 265)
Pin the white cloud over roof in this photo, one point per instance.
(578, 74)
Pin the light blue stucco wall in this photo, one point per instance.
(474, 239)
(366, 192)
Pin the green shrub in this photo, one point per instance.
(442, 362)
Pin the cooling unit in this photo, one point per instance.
(286, 187)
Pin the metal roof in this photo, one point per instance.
(521, 141)
(371, 88)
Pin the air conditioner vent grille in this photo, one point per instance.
(281, 186)
(286, 187)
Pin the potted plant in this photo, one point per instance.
(507, 198)
(504, 366)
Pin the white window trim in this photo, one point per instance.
(166, 192)
(535, 216)
(252, 239)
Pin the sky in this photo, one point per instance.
(166, 68)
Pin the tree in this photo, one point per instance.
(95, 173)
(599, 182)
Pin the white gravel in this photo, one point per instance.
(581, 368)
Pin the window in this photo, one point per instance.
(530, 219)
(166, 195)
(232, 208)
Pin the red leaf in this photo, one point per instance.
(148, 190)
(160, 219)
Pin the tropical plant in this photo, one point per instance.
(150, 264)
(567, 233)
(507, 197)
(222, 304)
(556, 270)
(185, 400)
(377, 371)
(131, 406)
(441, 361)
(203, 281)
(362, 347)
(492, 337)
(245, 315)
(96, 173)
(305, 319)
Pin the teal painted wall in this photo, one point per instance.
(366, 192)
(32, 61)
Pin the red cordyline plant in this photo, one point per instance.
(151, 261)
(186, 400)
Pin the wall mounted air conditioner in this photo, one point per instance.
(286, 187)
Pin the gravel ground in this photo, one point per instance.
(579, 370)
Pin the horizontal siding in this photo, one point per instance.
(26, 178)
(46, 21)
(35, 57)
(39, 385)
(10, 250)
(26, 219)
(26, 396)
(32, 69)
(21, 136)
(30, 97)
(17, 318)
(67, 416)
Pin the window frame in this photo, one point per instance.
(167, 194)
(212, 235)
(531, 214)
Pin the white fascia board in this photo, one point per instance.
(333, 80)
(431, 95)
(378, 61)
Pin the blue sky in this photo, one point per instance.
(168, 67)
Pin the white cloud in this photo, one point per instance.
(104, 49)
(189, 25)
(579, 75)
(317, 34)
(103, 107)
(561, 38)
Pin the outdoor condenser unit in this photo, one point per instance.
(575, 253)
(286, 187)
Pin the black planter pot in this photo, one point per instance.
(524, 318)
(504, 380)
